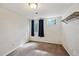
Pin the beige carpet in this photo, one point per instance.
(36, 49)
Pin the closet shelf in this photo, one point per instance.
(70, 17)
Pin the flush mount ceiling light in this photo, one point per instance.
(33, 5)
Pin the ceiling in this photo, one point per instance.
(44, 9)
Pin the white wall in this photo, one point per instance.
(71, 32)
(52, 33)
(14, 31)
(71, 41)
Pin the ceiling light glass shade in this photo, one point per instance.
(33, 5)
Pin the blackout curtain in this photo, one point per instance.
(41, 28)
(32, 27)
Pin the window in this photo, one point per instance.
(51, 21)
(36, 26)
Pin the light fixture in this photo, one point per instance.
(33, 5)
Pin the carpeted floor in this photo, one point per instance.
(39, 49)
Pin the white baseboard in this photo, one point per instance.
(67, 50)
(10, 51)
(44, 41)
(13, 50)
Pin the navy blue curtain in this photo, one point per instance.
(41, 28)
(32, 27)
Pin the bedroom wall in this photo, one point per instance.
(14, 31)
(71, 32)
(71, 40)
(52, 33)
